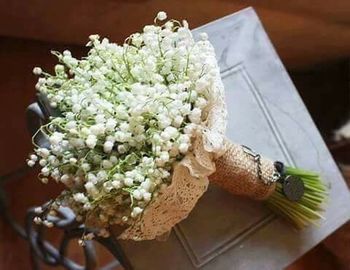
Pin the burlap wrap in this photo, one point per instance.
(237, 172)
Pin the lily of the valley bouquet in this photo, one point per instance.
(141, 132)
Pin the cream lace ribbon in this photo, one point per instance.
(190, 176)
(236, 172)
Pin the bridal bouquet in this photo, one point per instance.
(140, 133)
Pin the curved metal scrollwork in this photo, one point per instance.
(42, 250)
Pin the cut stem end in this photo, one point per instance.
(307, 210)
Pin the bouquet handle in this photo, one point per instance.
(242, 172)
(293, 193)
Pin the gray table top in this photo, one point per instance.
(267, 114)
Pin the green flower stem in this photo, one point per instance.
(307, 210)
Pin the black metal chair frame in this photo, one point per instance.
(42, 251)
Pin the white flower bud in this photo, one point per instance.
(189, 128)
(37, 220)
(85, 131)
(67, 53)
(56, 138)
(107, 164)
(37, 71)
(165, 136)
(43, 162)
(128, 181)
(71, 124)
(94, 37)
(38, 210)
(91, 141)
(92, 178)
(86, 167)
(195, 116)
(76, 108)
(122, 149)
(97, 129)
(34, 157)
(80, 197)
(161, 15)
(87, 206)
(183, 148)
(147, 196)
(171, 131)
(108, 146)
(178, 121)
(136, 211)
(72, 161)
(116, 184)
(45, 171)
(65, 178)
(102, 175)
(91, 189)
(59, 69)
(89, 236)
(107, 186)
(43, 152)
(110, 124)
(100, 119)
(44, 180)
(146, 185)
(31, 163)
(81, 243)
(201, 103)
(137, 195)
(113, 159)
(164, 156)
(185, 23)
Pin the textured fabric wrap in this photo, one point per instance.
(238, 173)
